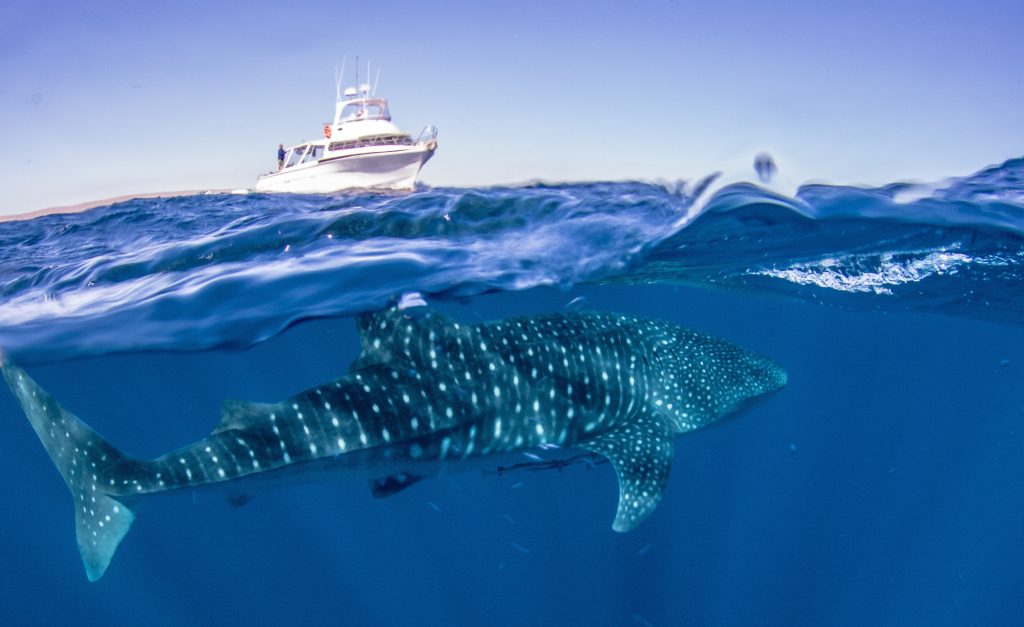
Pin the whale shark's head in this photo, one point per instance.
(753, 376)
(700, 379)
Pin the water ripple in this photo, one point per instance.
(195, 272)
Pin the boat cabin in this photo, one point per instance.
(362, 124)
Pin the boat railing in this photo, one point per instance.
(428, 133)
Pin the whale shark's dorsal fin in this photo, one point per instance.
(406, 335)
(641, 452)
(236, 414)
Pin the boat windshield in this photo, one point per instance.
(295, 155)
(304, 154)
(365, 110)
(313, 154)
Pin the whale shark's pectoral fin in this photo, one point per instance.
(236, 414)
(393, 484)
(641, 452)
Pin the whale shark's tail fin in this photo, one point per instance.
(92, 468)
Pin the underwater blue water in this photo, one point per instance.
(882, 485)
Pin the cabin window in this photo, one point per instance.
(313, 154)
(295, 156)
(375, 140)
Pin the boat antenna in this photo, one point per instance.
(362, 103)
(338, 77)
(375, 81)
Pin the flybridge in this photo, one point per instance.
(359, 103)
(361, 148)
(365, 108)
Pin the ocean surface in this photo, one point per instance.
(881, 486)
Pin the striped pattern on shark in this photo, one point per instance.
(427, 395)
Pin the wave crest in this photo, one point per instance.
(196, 272)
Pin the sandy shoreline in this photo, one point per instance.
(84, 206)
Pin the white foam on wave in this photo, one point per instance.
(913, 193)
(844, 274)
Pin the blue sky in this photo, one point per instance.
(108, 98)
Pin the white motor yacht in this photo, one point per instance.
(361, 148)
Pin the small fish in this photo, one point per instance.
(510, 519)
(645, 548)
(577, 303)
(640, 620)
(516, 485)
(520, 548)
(433, 506)
(533, 456)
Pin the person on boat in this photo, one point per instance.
(280, 157)
(765, 167)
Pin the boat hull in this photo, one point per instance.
(388, 169)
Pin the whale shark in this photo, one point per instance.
(429, 395)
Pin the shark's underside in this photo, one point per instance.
(429, 395)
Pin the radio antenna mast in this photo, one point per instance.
(338, 77)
